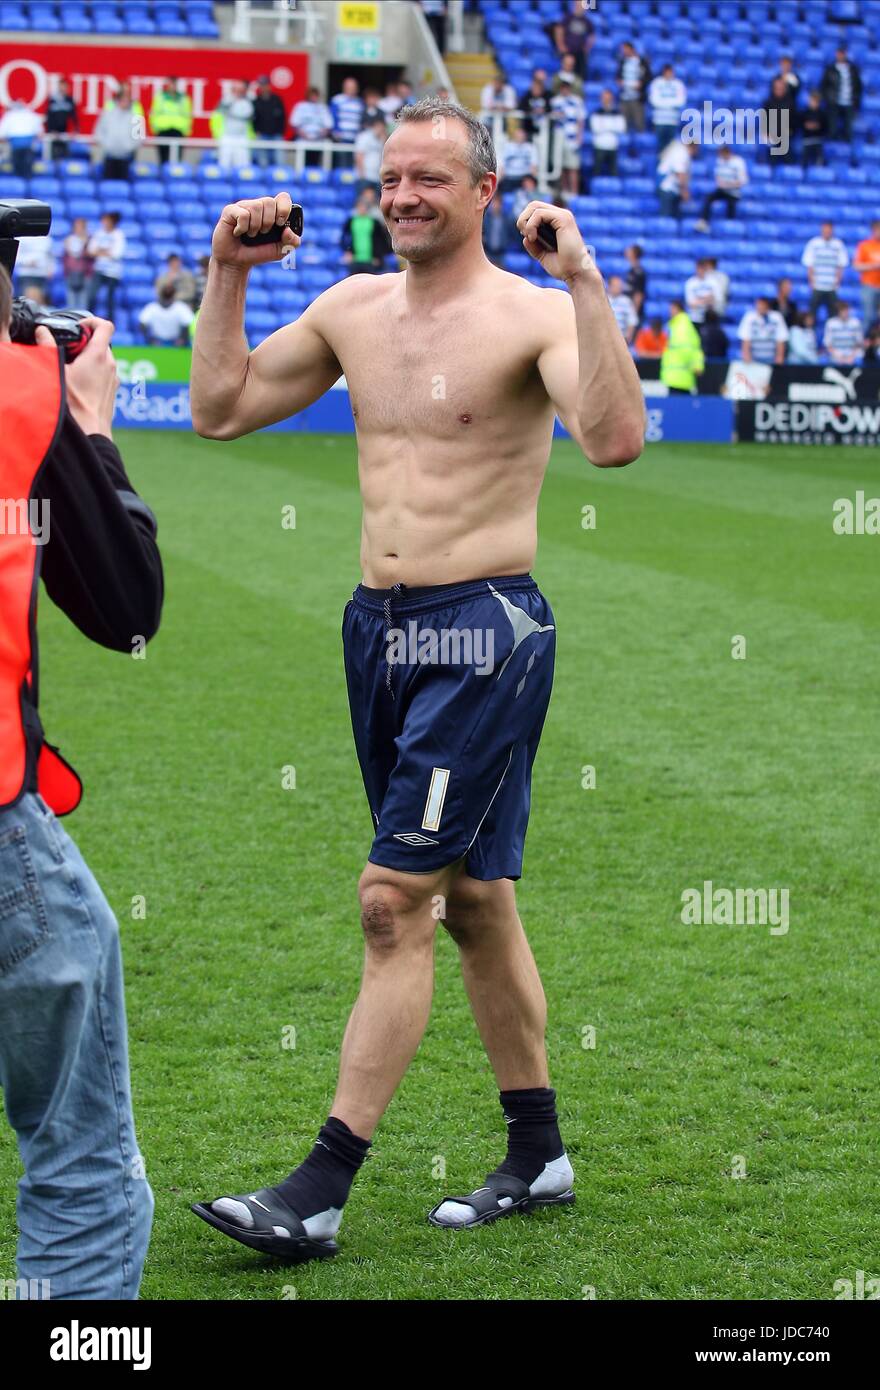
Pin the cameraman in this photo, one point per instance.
(84, 1205)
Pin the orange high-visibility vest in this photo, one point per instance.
(31, 410)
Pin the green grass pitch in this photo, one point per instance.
(715, 1046)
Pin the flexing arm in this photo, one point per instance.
(233, 390)
(585, 364)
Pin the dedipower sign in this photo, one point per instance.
(856, 423)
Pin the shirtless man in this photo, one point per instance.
(456, 370)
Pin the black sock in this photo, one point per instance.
(324, 1179)
(533, 1137)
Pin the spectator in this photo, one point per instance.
(312, 119)
(496, 232)
(180, 281)
(365, 242)
(347, 109)
(536, 104)
(435, 14)
(392, 100)
(784, 303)
(813, 125)
(77, 264)
(575, 35)
(606, 127)
(682, 360)
(170, 115)
(802, 348)
(22, 128)
(518, 158)
(779, 120)
(713, 339)
(731, 177)
(369, 196)
(867, 262)
(525, 194)
(119, 131)
(792, 82)
(372, 107)
(667, 95)
(125, 92)
(872, 342)
(651, 340)
(567, 73)
(636, 281)
(842, 90)
(622, 308)
(633, 76)
(763, 333)
(35, 265)
(844, 339)
(825, 257)
(405, 92)
(674, 173)
(699, 293)
(231, 127)
(269, 120)
(61, 118)
(106, 248)
(567, 113)
(165, 320)
(720, 283)
(497, 96)
(368, 147)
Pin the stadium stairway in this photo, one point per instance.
(469, 73)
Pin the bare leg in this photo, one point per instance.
(501, 979)
(391, 1013)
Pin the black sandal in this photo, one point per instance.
(487, 1201)
(272, 1218)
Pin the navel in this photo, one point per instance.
(465, 419)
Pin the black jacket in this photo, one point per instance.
(831, 84)
(269, 117)
(381, 239)
(644, 74)
(101, 564)
(812, 123)
(60, 114)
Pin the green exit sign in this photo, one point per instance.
(358, 48)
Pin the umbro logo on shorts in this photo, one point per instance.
(412, 837)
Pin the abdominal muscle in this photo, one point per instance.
(438, 515)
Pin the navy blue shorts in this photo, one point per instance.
(448, 688)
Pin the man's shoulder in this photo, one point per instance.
(354, 291)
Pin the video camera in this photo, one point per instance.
(27, 217)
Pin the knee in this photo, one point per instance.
(393, 913)
(467, 908)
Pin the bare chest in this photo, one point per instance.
(437, 378)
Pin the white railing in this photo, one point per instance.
(179, 147)
(293, 152)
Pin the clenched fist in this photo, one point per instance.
(247, 218)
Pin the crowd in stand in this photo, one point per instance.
(773, 330)
(250, 115)
(776, 329)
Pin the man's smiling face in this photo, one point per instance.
(428, 200)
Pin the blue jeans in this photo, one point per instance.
(870, 304)
(84, 1205)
